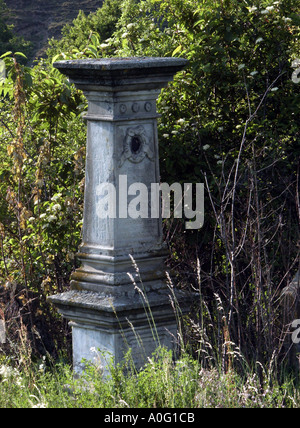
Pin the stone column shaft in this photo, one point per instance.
(121, 278)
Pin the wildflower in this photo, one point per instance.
(52, 218)
(260, 39)
(42, 216)
(8, 374)
(56, 207)
(104, 45)
(130, 26)
(166, 135)
(270, 8)
(206, 147)
(56, 197)
(252, 9)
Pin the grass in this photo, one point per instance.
(212, 380)
(160, 384)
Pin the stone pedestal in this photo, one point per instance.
(119, 297)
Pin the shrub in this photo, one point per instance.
(9, 41)
(231, 120)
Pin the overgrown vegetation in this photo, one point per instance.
(9, 41)
(230, 120)
(162, 384)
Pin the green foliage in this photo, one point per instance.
(236, 53)
(231, 120)
(88, 32)
(160, 384)
(42, 154)
(8, 40)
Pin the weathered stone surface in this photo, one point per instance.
(121, 283)
(116, 73)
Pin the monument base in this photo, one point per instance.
(105, 327)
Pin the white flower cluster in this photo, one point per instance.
(8, 374)
(268, 10)
(51, 215)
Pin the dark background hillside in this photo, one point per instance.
(39, 20)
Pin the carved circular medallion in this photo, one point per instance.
(148, 107)
(123, 108)
(135, 108)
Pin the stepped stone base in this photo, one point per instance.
(105, 326)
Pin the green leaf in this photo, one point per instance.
(177, 50)
(6, 54)
(95, 40)
(92, 49)
(199, 22)
(20, 54)
(55, 58)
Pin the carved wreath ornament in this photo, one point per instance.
(136, 146)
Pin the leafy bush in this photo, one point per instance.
(88, 31)
(42, 178)
(230, 120)
(9, 41)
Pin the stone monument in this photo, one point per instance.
(119, 298)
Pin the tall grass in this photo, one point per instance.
(162, 383)
(210, 371)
